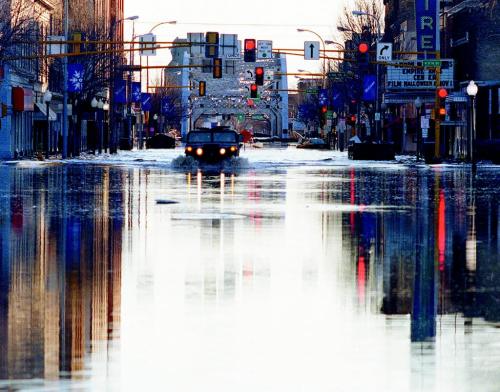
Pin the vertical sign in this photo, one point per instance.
(136, 92)
(369, 88)
(428, 23)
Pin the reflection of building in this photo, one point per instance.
(60, 279)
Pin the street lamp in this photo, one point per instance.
(472, 90)
(47, 97)
(418, 105)
(113, 130)
(170, 22)
(377, 103)
(324, 53)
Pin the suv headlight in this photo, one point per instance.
(222, 151)
(199, 151)
(189, 148)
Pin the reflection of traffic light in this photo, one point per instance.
(253, 91)
(259, 76)
(323, 110)
(202, 88)
(442, 93)
(249, 52)
(217, 68)
(211, 45)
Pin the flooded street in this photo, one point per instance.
(300, 271)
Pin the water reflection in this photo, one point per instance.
(360, 267)
(60, 276)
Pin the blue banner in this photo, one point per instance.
(75, 78)
(120, 91)
(323, 97)
(427, 22)
(370, 88)
(136, 92)
(167, 106)
(146, 103)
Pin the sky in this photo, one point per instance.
(260, 19)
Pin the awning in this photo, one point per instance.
(41, 113)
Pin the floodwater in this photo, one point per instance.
(295, 273)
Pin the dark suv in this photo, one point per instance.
(213, 145)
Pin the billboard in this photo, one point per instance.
(410, 75)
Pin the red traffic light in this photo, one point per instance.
(324, 109)
(442, 93)
(363, 48)
(249, 44)
(253, 87)
(259, 71)
(353, 118)
(442, 111)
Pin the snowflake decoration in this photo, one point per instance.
(137, 95)
(76, 81)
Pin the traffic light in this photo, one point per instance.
(76, 46)
(212, 45)
(253, 91)
(351, 120)
(323, 110)
(217, 68)
(442, 93)
(202, 88)
(259, 76)
(363, 54)
(250, 51)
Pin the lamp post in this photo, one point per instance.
(418, 105)
(113, 136)
(47, 97)
(379, 37)
(472, 90)
(100, 117)
(170, 22)
(324, 53)
(94, 105)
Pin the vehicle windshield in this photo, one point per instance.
(199, 137)
(224, 137)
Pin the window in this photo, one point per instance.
(230, 67)
(199, 137)
(206, 66)
(225, 137)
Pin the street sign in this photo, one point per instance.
(384, 51)
(249, 75)
(269, 74)
(431, 63)
(377, 116)
(425, 133)
(424, 123)
(147, 45)
(311, 50)
(264, 49)
(312, 91)
(335, 75)
(411, 75)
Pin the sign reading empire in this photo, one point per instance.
(427, 21)
(410, 75)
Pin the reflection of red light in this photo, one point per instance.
(441, 230)
(259, 71)
(353, 200)
(363, 47)
(361, 279)
(324, 109)
(249, 44)
(442, 111)
(250, 102)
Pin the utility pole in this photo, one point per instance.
(65, 85)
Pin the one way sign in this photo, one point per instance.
(384, 51)
(311, 50)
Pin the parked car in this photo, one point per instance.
(213, 145)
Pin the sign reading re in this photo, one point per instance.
(427, 22)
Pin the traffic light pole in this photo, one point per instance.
(437, 122)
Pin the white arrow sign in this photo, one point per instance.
(311, 50)
(384, 51)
